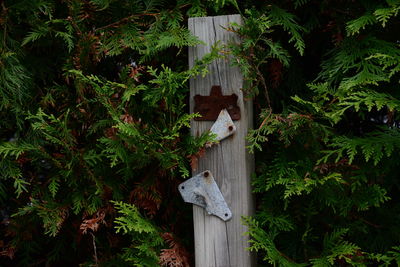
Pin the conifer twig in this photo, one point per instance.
(131, 17)
(95, 250)
(126, 19)
(4, 15)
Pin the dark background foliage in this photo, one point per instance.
(94, 130)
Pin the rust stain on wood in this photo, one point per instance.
(210, 106)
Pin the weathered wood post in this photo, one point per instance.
(219, 243)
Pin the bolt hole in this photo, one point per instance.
(230, 128)
(206, 174)
(226, 214)
(182, 187)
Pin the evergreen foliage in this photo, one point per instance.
(320, 202)
(94, 130)
(93, 105)
(145, 237)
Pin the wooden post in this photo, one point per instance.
(219, 243)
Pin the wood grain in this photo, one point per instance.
(219, 243)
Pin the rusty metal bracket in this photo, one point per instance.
(203, 191)
(210, 106)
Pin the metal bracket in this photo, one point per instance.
(210, 106)
(223, 127)
(203, 191)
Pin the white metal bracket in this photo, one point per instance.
(203, 191)
(223, 127)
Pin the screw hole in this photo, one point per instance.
(226, 214)
(206, 174)
(182, 187)
(230, 128)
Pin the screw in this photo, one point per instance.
(226, 214)
(230, 128)
(182, 187)
(206, 174)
